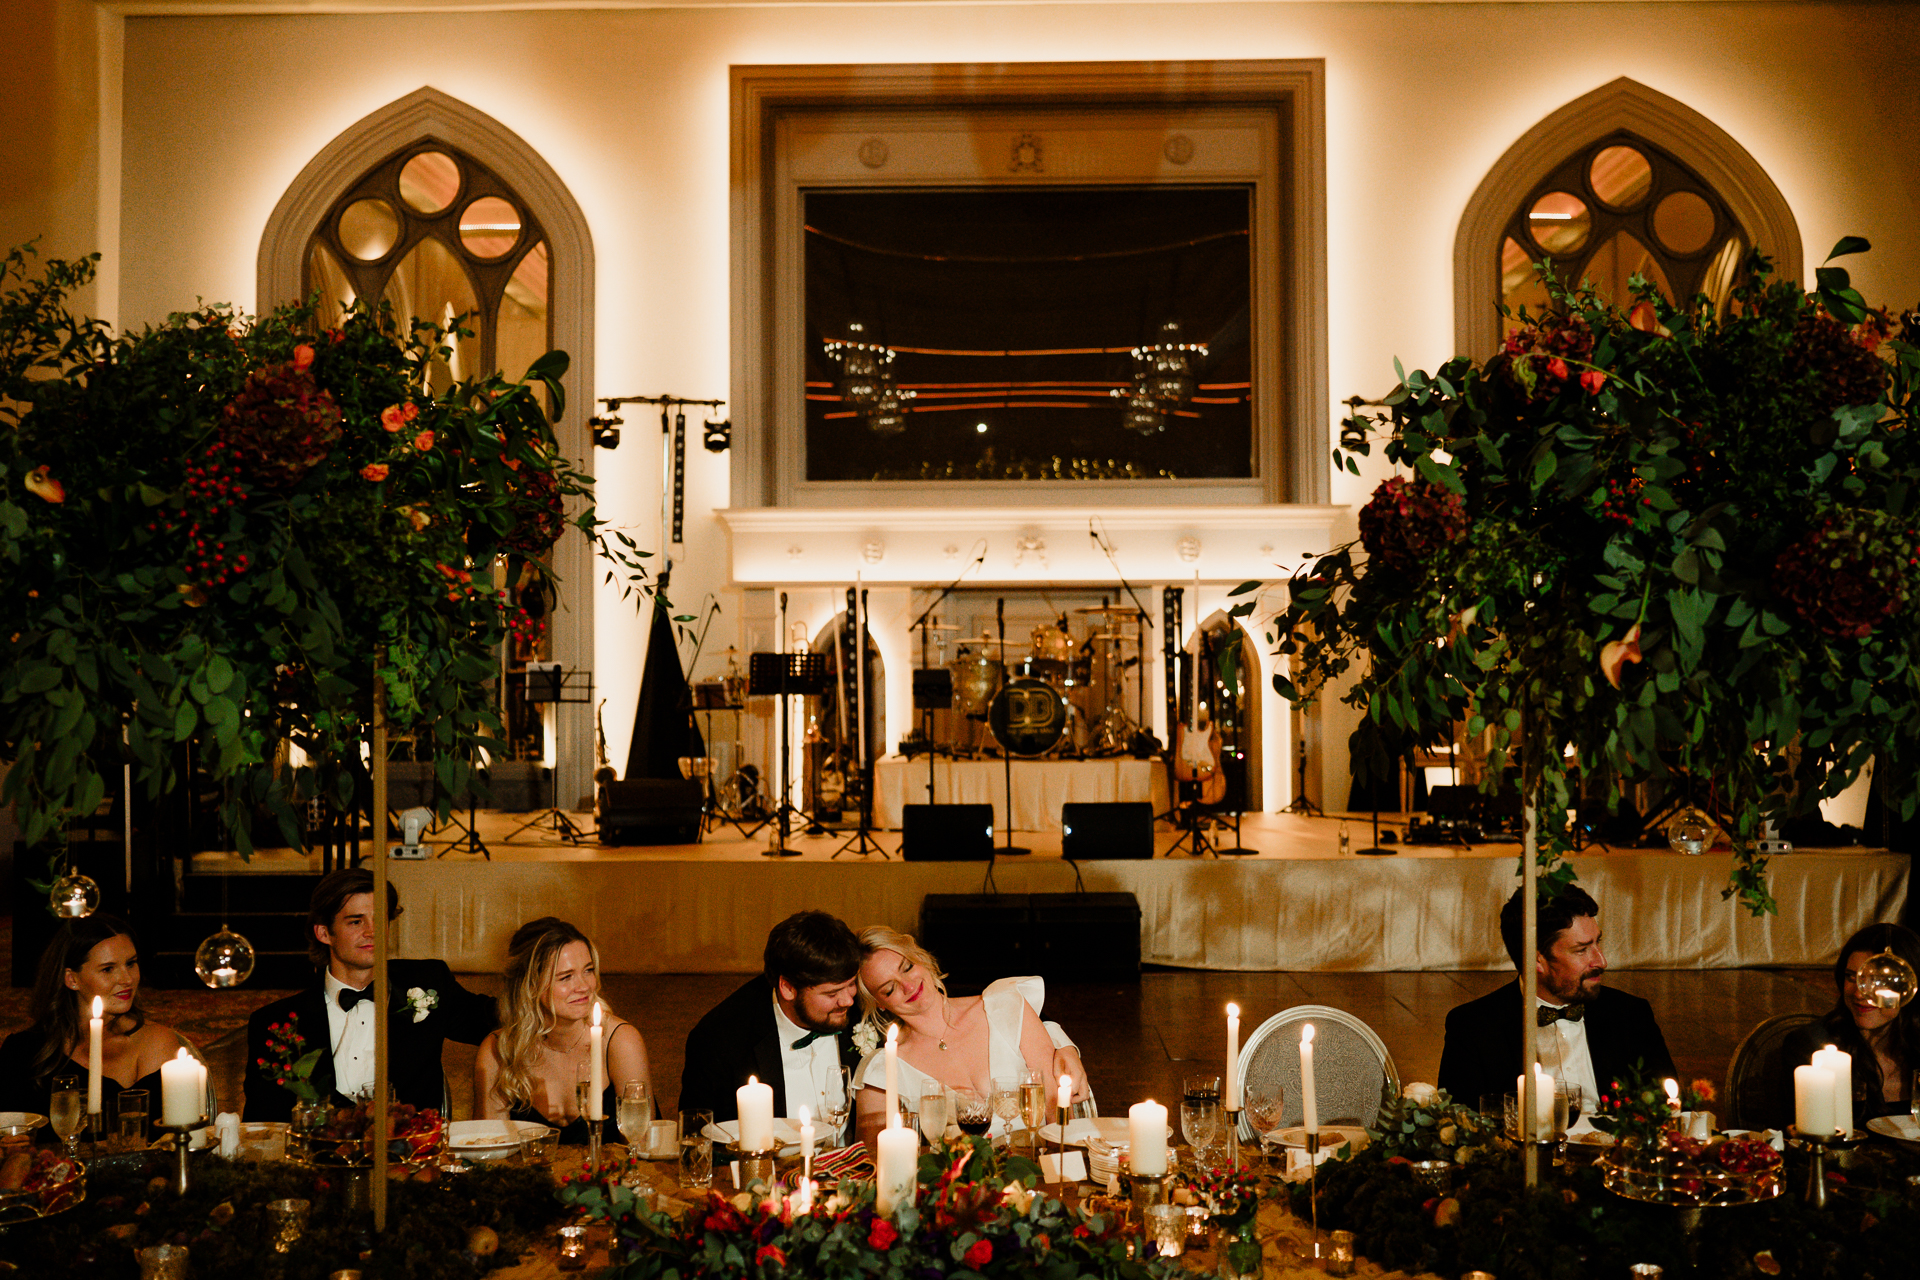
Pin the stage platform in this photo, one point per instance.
(1294, 904)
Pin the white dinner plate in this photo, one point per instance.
(18, 1122)
(785, 1132)
(1904, 1130)
(1332, 1137)
(493, 1139)
(1112, 1130)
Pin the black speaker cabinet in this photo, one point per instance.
(946, 833)
(1085, 937)
(1094, 831)
(976, 937)
(649, 811)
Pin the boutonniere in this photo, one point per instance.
(866, 1038)
(420, 1002)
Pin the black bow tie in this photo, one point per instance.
(1548, 1015)
(811, 1036)
(348, 997)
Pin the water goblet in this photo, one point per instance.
(67, 1110)
(933, 1115)
(696, 1149)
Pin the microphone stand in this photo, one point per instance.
(1144, 730)
(863, 842)
(926, 716)
(1006, 753)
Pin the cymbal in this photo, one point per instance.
(1117, 610)
(1101, 637)
(1004, 644)
(938, 626)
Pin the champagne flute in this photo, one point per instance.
(635, 1114)
(1033, 1101)
(933, 1115)
(835, 1110)
(66, 1111)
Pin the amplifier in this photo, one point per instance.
(1090, 832)
(946, 832)
(1085, 937)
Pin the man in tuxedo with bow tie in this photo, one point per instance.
(785, 1026)
(425, 1007)
(1589, 1034)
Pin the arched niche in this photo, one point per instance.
(1623, 104)
(428, 115)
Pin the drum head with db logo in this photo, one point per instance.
(1028, 717)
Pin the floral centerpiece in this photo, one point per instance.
(1231, 1195)
(974, 1215)
(220, 533)
(1657, 542)
(1425, 1123)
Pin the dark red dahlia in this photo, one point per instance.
(1405, 522)
(280, 426)
(537, 513)
(1847, 575)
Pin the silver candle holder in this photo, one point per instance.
(182, 1142)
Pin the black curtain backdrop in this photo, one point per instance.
(663, 725)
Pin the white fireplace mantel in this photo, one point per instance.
(1041, 544)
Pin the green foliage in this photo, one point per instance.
(215, 532)
(1690, 551)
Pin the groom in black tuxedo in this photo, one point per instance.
(1589, 1034)
(786, 1025)
(425, 1007)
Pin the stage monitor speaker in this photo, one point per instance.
(1085, 937)
(1089, 832)
(932, 689)
(946, 833)
(650, 811)
(978, 936)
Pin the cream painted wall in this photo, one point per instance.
(631, 109)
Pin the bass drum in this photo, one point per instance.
(1028, 718)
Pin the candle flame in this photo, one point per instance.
(1233, 1011)
(1066, 1081)
(1672, 1087)
(99, 1006)
(806, 1116)
(1306, 1034)
(183, 1054)
(596, 1013)
(893, 1035)
(753, 1080)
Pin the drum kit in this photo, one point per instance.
(1061, 698)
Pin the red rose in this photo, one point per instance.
(980, 1255)
(374, 472)
(423, 441)
(302, 357)
(883, 1235)
(394, 417)
(1592, 380)
(1557, 367)
(770, 1253)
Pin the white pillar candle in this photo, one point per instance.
(756, 1115)
(1537, 1102)
(1309, 1105)
(183, 1088)
(1065, 1097)
(96, 1028)
(893, 1072)
(1813, 1100)
(1840, 1063)
(596, 1068)
(1233, 1057)
(1147, 1138)
(898, 1152)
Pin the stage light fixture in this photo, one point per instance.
(606, 432)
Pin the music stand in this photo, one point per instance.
(783, 676)
(551, 684)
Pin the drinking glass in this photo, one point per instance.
(973, 1113)
(1033, 1099)
(1005, 1099)
(1265, 1103)
(1201, 1089)
(1200, 1123)
(933, 1115)
(132, 1110)
(1913, 1096)
(66, 1110)
(835, 1111)
(696, 1149)
(635, 1116)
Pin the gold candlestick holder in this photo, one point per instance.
(1816, 1144)
(1313, 1186)
(1233, 1137)
(182, 1141)
(757, 1166)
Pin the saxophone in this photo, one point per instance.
(603, 770)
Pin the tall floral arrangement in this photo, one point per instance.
(216, 532)
(1651, 542)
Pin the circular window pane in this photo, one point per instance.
(489, 226)
(429, 181)
(1620, 177)
(1559, 222)
(369, 229)
(1683, 222)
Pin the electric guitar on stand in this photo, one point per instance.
(1196, 754)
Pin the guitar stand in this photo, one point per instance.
(554, 819)
(1202, 844)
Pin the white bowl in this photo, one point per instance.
(493, 1139)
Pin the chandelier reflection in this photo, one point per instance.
(866, 381)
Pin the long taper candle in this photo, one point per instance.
(596, 1068)
(893, 1072)
(95, 1028)
(1309, 1105)
(1233, 1057)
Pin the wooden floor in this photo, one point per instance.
(1140, 1038)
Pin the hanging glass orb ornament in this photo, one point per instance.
(1690, 832)
(224, 960)
(74, 896)
(1887, 981)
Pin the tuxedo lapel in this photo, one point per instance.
(768, 1063)
(315, 1029)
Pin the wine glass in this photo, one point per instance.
(834, 1110)
(1200, 1124)
(66, 1110)
(1264, 1103)
(973, 1113)
(1005, 1101)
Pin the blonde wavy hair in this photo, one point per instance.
(525, 1015)
(880, 938)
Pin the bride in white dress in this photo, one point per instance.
(963, 1042)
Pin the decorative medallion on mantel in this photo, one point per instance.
(874, 153)
(1027, 157)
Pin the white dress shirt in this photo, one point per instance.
(351, 1035)
(1566, 1057)
(812, 1075)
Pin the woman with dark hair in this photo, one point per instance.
(95, 956)
(530, 1068)
(1884, 1043)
